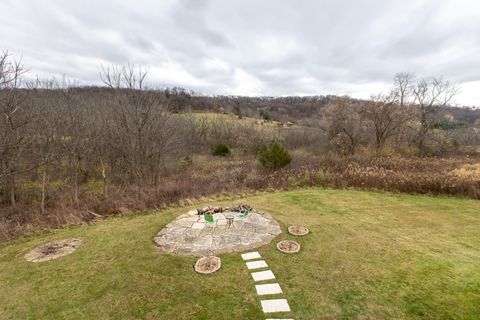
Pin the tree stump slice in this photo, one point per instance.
(208, 265)
(298, 231)
(288, 246)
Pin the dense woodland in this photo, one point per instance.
(69, 154)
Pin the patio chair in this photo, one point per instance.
(209, 218)
(243, 214)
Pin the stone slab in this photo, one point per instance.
(275, 305)
(192, 212)
(257, 264)
(263, 275)
(198, 226)
(268, 288)
(184, 223)
(251, 255)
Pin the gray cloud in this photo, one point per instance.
(268, 47)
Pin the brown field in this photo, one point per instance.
(214, 177)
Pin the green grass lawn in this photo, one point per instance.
(369, 256)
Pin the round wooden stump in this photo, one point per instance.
(298, 230)
(208, 264)
(288, 246)
(53, 250)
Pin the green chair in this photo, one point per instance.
(243, 214)
(209, 218)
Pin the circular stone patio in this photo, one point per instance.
(190, 234)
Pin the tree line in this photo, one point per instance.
(55, 134)
(405, 116)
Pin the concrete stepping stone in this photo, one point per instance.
(263, 275)
(269, 288)
(275, 305)
(251, 255)
(257, 264)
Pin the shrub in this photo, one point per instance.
(275, 156)
(221, 149)
(256, 148)
(264, 115)
(94, 187)
(185, 163)
(237, 111)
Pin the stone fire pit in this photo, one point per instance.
(192, 234)
(53, 250)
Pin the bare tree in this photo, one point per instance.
(124, 77)
(403, 87)
(46, 136)
(389, 113)
(13, 122)
(342, 123)
(140, 124)
(429, 95)
(386, 117)
(76, 129)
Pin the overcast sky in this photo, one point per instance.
(251, 47)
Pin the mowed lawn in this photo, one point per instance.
(369, 256)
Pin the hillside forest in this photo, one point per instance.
(71, 153)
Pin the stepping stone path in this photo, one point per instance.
(255, 261)
(257, 264)
(269, 288)
(263, 275)
(251, 255)
(275, 305)
(190, 234)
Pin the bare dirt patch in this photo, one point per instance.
(53, 250)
